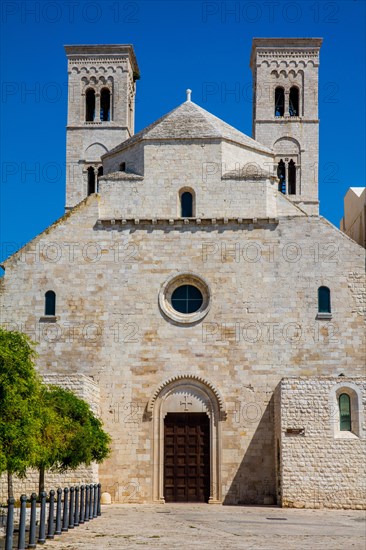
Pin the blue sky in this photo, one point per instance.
(179, 45)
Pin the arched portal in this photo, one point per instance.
(186, 410)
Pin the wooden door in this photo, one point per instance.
(186, 457)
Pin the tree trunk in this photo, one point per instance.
(41, 480)
(10, 485)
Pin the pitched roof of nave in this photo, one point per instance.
(190, 121)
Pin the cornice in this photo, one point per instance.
(178, 223)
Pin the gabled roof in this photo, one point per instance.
(189, 121)
(357, 190)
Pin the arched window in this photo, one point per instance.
(279, 101)
(294, 101)
(100, 171)
(105, 105)
(281, 173)
(344, 403)
(50, 303)
(91, 180)
(90, 105)
(291, 178)
(323, 299)
(186, 205)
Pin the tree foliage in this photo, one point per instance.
(19, 403)
(19, 393)
(41, 426)
(72, 435)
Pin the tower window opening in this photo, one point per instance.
(90, 105)
(186, 203)
(294, 101)
(279, 101)
(344, 412)
(324, 299)
(99, 174)
(91, 180)
(281, 173)
(50, 303)
(291, 178)
(122, 167)
(105, 105)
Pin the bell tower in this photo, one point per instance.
(285, 112)
(101, 111)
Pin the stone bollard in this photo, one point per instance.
(71, 510)
(91, 501)
(82, 505)
(50, 530)
(10, 525)
(99, 510)
(42, 521)
(32, 527)
(58, 512)
(22, 521)
(106, 498)
(86, 516)
(95, 515)
(77, 510)
(65, 517)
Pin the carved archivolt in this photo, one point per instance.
(95, 70)
(187, 377)
(97, 83)
(287, 64)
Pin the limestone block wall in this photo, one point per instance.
(83, 387)
(262, 326)
(190, 164)
(124, 197)
(321, 466)
(84, 148)
(132, 156)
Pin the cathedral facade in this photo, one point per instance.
(195, 297)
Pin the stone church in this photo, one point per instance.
(195, 297)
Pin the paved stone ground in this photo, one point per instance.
(213, 527)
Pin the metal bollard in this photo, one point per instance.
(23, 517)
(91, 502)
(33, 519)
(82, 505)
(86, 517)
(95, 515)
(50, 531)
(10, 525)
(71, 510)
(42, 521)
(76, 515)
(58, 511)
(65, 517)
(99, 510)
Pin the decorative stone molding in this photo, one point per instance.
(185, 377)
(175, 281)
(177, 223)
(357, 421)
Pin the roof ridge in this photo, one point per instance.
(211, 126)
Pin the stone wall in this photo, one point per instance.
(262, 326)
(321, 466)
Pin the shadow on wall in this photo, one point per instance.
(255, 480)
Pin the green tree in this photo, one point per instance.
(71, 434)
(20, 423)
